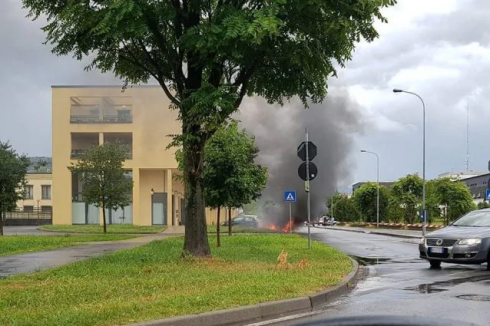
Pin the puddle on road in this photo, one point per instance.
(370, 260)
(442, 286)
(474, 297)
(425, 288)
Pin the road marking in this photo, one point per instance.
(283, 319)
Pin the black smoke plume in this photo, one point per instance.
(279, 130)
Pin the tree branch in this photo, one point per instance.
(158, 78)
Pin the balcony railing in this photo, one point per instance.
(113, 118)
(78, 153)
(96, 114)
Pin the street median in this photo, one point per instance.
(154, 282)
(266, 310)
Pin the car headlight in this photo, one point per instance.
(469, 242)
(422, 240)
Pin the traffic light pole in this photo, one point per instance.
(307, 188)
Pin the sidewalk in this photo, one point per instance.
(409, 234)
(36, 261)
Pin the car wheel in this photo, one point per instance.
(435, 264)
(488, 262)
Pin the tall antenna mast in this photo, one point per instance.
(467, 138)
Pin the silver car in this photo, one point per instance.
(465, 241)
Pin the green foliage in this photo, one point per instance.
(207, 55)
(13, 170)
(483, 205)
(231, 176)
(343, 208)
(454, 196)
(407, 192)
(251, 208)
(366, 201)
(105, 183)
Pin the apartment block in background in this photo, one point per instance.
(139, 117)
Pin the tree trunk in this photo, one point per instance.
(229, 220)
(104, 224)
(218, 239)
(196, 235)
(1, 220)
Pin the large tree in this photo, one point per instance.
(208, 54)
(105, 181)
(231, 176)
(366, 200)
(13, 170)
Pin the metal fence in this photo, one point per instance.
(30, 215)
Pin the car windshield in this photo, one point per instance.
(474, 219)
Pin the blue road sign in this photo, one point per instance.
(290, 196)
(487, 195)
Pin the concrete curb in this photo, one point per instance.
(97, 233)
(367, 231)
(266, 310)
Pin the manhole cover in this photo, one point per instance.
(474, 297)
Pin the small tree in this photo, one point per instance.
(231, 177)
(366, 201)
(13, 170)
(407, 193)
(454, 196)
(105, 183)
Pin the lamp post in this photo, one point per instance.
(423, 157)
(377, 184)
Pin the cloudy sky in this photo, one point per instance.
(438, 49)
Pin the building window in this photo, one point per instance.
(46, 192)
(46, 209)
(29, 209)
(29, 192)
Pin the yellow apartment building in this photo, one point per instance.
(139, 117)
(37, 193)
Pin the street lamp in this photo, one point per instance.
(423, 158)
(377, 184)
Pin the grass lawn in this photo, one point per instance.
(151, 282)
(113, 228)
(16, 244)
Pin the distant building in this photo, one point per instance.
(39, 179)
(478, 186)
(358, 185)
(460, 175)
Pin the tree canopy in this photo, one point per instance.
(207, 55)
(366, 201)
(343, 208)
(13, 170)
(105, 181)
(451, 197)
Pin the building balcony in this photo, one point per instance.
(101, 110)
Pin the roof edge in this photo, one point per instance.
(104, 86)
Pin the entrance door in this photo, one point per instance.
(159, 208)
(173, 209)
(182, 211)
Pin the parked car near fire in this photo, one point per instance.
(249, 221)
(465, 241)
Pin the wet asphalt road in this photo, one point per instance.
(25, 230)
(399, 283)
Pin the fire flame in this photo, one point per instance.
(287, 228)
